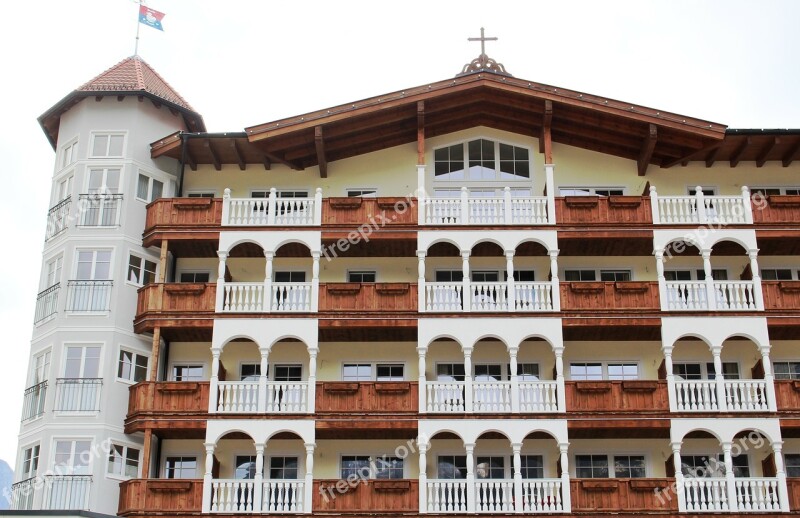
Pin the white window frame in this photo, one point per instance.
(151, 179)
(105, 168)
(69, 153)
(99, 133)
(194, 272)
(84, 345)
(200, 193)
(591, 190)
(713, 188)
(32, 471)
(373, 458)
(142, 268)
(57, 274)
(792, 269)
(704, 367)
(604, 367)
(183, 455)
(781, 188)
(125, 448)
(648, 468)
(280, 192)
(374, 271)
(39, 373)
(136, 354)
(598, 272)
(203, 365)
(774, 361)
(498, 180)
(350, 192)
(373, 368)
(73, 456)
(94, 263)
(58, 195)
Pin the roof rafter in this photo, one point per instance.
(646, 154)
(421, 133)
(792, 155)
(737, 156)
(762, 157)
(546, 140)
(238, 154)
(694, 155)
(214, 154)
(319, 144)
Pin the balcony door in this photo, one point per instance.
(79, 387)
(100, 207)
(91, 289)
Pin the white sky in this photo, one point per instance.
(243, 62)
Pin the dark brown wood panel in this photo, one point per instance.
(175, 305)
(376, 212)
(158, 497)
(637, 296)
(787, 393)
(601, 210)
(172, 217)
(638, 397)
(366, 496)
(397, 297)
(344, 397)
(781, 295)
(621, 494)
(776, 209)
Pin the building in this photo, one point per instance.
(482, 295)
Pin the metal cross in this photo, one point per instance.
(482, 39)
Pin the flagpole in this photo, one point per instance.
(138, 25)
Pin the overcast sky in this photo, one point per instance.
(243, 62)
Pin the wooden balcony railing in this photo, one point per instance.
(368, 496)
(787, 394)
(367, 396)
(602, 210)
(793, 484)
(183, 213)
(776, 209)
(160, 496)
(189, 302)
(630, 396)
(781, 295)
(354, 296)
(623, 494)
(355, 211)
(168, 397)
(610, 296)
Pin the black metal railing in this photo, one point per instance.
(78, 394)
(99, 210)
(33, 402)
(22, 494)
(67, 492)
(58, 218)
(47, 303)
(89, 295)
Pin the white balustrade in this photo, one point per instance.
(486, 211)
(538, 396)
(677, 209)
(444, 296)
(494, 496)
(724, 209)
(489, 296)
(443, 211)
(542, 496)
(283, 496)
(686, 295)
(491, 396)
(531, 210)
(746, 395)
(291, 297)
(284, 397)
(533, 296)
(757, 494)
(735, 295)
(447, 496)
(239, 397)
(682, 210)
(445, 396)
(705, 494)
(255, 212)
(243, 297)
(233, 496)
(696, 395)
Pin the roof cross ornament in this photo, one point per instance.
(483, 63)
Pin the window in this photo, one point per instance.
(522, 276)
(629, 466)
(357, 372)
(448, 276)
(40, 368)
(30, 462)
(245, 467)
(280, 194)
(69, 155)
(249, 371)
(699, 371)
(766, 191)
(623, 371)
(487, 372)
(53, 271)
(389, 372)
(579, 275)
(699, 466)
(141, 271)
(364, 193)
(107, 145)
(187, 373)
(195, 276)
(786, 370)
(104, 181)
(532, 466)
(93, 265)
(361, 276)
(388, 468)
(678, 275)
(591, 191)
(208, 194)
(181, 467)
(123, 461)
(100, 207)
(615, 275)
(283, 468)
(82, 362)
(288, 372)
(485, 276)
(451, 467)
(603, 371)
(707, 191)
(355, 466)
(591, 466)
(792, 461)
(526, 371)
(73, 457)
(489, 467)
(364, 372)
(487, 160)
(63, 189)
(450, 372)
(776, 274)
(586, 371)
(290, 276)
(148, 189)
(592, 275)
(132, 366)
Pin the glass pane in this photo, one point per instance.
(141, 186)
(100, 145)
(112, 181)
(91, 362)
(158, 190)
(115, 146)
(72, 367)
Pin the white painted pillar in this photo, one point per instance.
(719, 378)
(554, 283)
(468, 403)
(561, 389)
(272, 202)
(422, 388)
(312, 379)
(226, 206)
(258, 479)
(465, 281)
(654, 205)
(514, 377)
(508, 210)
(511, 297)
(551, 193)
(309, 489)
(421, 280)
(207, 480)
(269, 256)
(748, 205)
(780, 474)
(470, 448)
(565, 493)
(220, 303)
(315, 281)
(769, 377)
(672, 394)
(318, 206)
(423, 475)
(465, 206)
(516, 447)
(421, 196)
(213, 383)
(730, 480)
(677, 464)
(758, 293)
(701, 204)
(710, 291)
(262, 380)
(662, 281)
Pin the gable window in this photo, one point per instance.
(591, 191)
(485, 160)
(364, 193)
(123, 461)
(187, 372)
(361, 276)
(181, 467)
(148, 188)
(69, 155)
(194, 276)
(131, 366)
(141, 271)
(107, 145)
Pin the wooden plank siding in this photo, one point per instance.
(793, 484)
(160, 404)
(368, 297)
(602, 210)
(355, 211)
(160, 496)
(781, 295)
(367, 396)
(777, 209)
(621, 494)
(369, 496)
(171, 304)
(787, 394)
(610, 296)
(630, 396)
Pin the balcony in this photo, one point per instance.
(635, 397)
(78, 394)
(366, 496)
(33, 401)
(781, 295)
(787, 393)
(89, 296)
(175, 304)
(47, 303)
(166, 400)
(699, 209)
(23, 494)
(272, 211)
(368, 297)
(230, 496)
(603, 210)
(271, 397)
(711, 296)
(642, 495)
(67, 492)
(464, 210)
(489, 297)
(635, 296)
(99, 210)
(160, 496)
(782, 209)
(493, 397)
(344, 397)
(500, 496)
(249, 297)
(749, 494)
(58, 218)
(721, 396)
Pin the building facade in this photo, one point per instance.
(483, 295)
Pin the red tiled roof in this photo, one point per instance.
(134, 74)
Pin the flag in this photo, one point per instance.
(150, 17)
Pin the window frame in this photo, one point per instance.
(782, 189)
(792, 462)
(794, 273)
(66, 178)
(610, 459)
(73, 455)
(109, 133)
(182, 458)
(598, 273)
(591, 190)
(713, 189)
(704, 373)
(58, 271)
(126, 449)
(194, 273)
(351, 192)
(69, 151)
(94, 263)
(284, 457)
(133, 366)
(290, 272)
(791, 372)
(190, 364)
(151, 180)
(373, 376)
(34, 460)
(362, 272)
(604, 364)
(82, 369)
(201, 194)
(142, 269)
(500, 178)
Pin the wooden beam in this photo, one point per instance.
(421, 133)
(238, 154)
(173, 111)
(120, 98)
(267, 163)
(792, 155)
(647, 150)
(546, 140)
(214, 156)
(156, 352)
(319, 145)
(162, 262)
(141, 98)
(762, 157)
(275, 158)
(98, 98)
(712, 157)
(147, 447)
(189, 158)
(737, 155)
